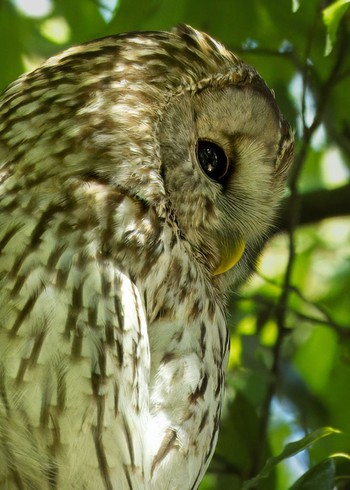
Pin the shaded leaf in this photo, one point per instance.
(290, 449)
(319, 477)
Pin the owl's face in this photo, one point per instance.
(223, 164)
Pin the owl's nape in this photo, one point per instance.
(139, 175)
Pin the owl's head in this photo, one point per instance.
(170, 118)
(225, 153)
(212, 144)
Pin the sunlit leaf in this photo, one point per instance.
(295, 5)
(332, 15)
(56, 30)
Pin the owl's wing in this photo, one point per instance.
(74, 352)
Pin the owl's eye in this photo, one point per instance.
(212, 159)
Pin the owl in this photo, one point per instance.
(139, 176)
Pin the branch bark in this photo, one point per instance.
(316, 206)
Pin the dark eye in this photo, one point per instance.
(212, 159)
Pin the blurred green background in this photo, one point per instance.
(289, 369)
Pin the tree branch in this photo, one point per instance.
(316, 206)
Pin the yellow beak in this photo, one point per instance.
(230, 255)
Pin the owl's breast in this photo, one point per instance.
(189, 344)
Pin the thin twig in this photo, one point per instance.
(342, 330)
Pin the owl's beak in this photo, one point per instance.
(230, 255)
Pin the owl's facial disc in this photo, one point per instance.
(214, 163)
(230, 254)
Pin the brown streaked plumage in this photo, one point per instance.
(132, 169)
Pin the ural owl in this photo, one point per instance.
(139, 175)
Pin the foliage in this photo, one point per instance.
(289, 370)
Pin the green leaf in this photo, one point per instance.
(83, 18)
(295, 5)
(319, 477)
(290, 450)
(321, 339)
(332, 15)
(12, 29)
